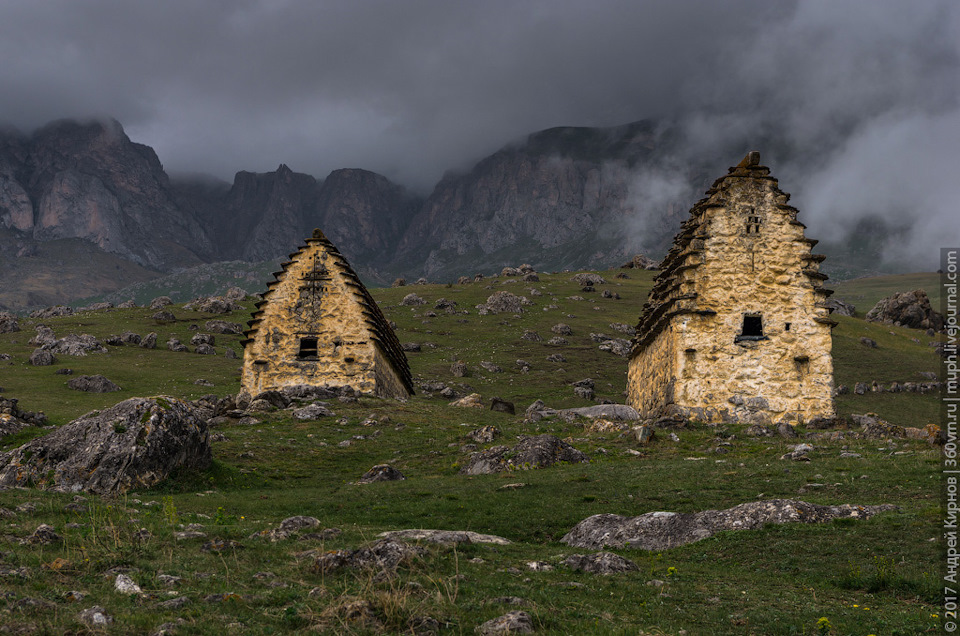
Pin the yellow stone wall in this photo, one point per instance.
(346, 354)
(766, 271)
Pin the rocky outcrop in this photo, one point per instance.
(538, 451)
(909, 309)
(135, 444)
(664, 530)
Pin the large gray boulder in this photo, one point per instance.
(92, 384)
(503, 302)
(910, 309)
(135, 444)
(663, 530)
(538, 451)
(8, 322)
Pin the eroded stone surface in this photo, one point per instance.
(445, 536)
(134, 444)
(538, 451)
(664, 530)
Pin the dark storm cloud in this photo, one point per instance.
(843, 92)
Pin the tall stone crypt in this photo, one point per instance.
(736, 329)
(318, 325)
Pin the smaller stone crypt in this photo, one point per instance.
(735, 329)
(318, 325)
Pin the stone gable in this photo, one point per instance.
(735, 328)
(318, 325)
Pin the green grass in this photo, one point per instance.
(778, 580)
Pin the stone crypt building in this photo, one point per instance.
(735, 329)
(318, 325)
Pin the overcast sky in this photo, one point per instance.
(411, 88)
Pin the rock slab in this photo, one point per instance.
(664, 530)
(135, 444)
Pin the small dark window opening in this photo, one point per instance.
(753, 224)
(348, 359)
(308, 349)
(752, 329)
(786, 326)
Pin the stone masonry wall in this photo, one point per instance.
(345, 354)
(747, 256)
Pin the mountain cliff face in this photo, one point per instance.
(89, 181)
(560, 199)
(265, 216)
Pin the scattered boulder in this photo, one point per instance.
(174, 344)
(411, 346)
(664, 530)
(149, 341)
(399, 282)
(459, 369)
(52, 312)
(381, 472)
(470, 401)
(74, 345)
(130, 338)
(516, 622)
(164, 316)
(94, 616)
(205, 350)
(909, 309)
(212, 305)
(640, 261)
(491, 367)
(160, 302)
(313, 412)
(445, 536)
(838, 307)
(538, 451)
(44, 337)
(588, 279)
(484, 434)
(134, 444)
(92, 384)
(623, 328)
(383, 554)
(443, 303)
(223, 326)
(798, 453)
(412, 300)
(502, 406)
(873, 427)
(203, 338)
(600, 563)
(531, 336)
(8, 322)
(287, 528)
(562, 329)
(606, 411)
(42, 358)
(616, 346)
(503, 302)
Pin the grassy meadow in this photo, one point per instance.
(878, 576)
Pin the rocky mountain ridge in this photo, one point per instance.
(562, 198)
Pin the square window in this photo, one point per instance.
(308, 349)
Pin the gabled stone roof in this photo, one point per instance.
(380, 330)
(672, 292)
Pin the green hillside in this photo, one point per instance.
(877, 576)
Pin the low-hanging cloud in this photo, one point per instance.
(834, 94)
